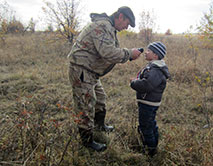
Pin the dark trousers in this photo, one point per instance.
(148, 125)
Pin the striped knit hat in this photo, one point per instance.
(158, 48)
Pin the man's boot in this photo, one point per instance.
(87, 139)
(99, 121)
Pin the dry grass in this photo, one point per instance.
(37, 122)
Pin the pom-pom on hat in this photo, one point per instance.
(158, 48)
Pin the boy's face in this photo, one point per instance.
(150, 55)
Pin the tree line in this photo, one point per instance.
(63, 17)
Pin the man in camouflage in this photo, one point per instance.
(94, 54)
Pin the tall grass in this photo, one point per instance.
(38, 125)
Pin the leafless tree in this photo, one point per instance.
(6, 12)
(206, 25)
(6, 16)
(147, 25)
(63, 16)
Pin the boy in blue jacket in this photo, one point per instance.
(149, 86)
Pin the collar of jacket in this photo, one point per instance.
(159, 63)
(112, 20)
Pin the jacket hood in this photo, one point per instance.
(103, 16)
(163, 67)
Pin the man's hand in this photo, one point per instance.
(135, 53)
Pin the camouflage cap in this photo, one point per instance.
(128, 13)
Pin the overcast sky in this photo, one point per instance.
(176, 15)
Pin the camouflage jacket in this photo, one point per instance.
(97, 48)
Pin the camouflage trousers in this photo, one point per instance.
(88, 96)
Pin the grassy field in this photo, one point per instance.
(37, 123)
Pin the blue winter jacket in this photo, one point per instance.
(151, 82)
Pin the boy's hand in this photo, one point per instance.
(132, 79)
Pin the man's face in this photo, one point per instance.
(122, 23)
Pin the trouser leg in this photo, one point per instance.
(84, 96)
(156, 133)
(148, 127)
(84, 101)
(100, 108)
